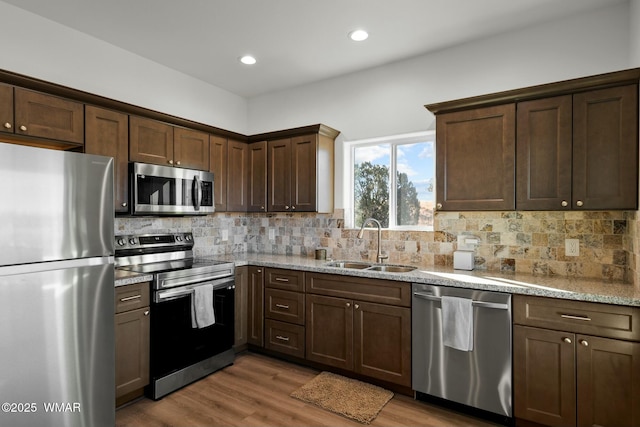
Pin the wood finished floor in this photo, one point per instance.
(255, 392)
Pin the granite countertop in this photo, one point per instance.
(515, 283)
(124, 277)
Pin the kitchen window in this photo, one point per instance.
(405, 163)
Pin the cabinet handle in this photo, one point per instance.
(286, 207)
(576, 317)
(564, 204)
(286, 307)
(356, 306)
(281, 279)
(438, 205)
(567, 340)
(259, 271)
(23, 128)
(584, 343)
(348, 304)
(146, 313)
(130, 298)
(293, 208)
(124, 205)
(170, 162)
(261, 208)
(281, 338)
(7, 125)
(579, 203)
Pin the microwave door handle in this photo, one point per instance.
(197, 192)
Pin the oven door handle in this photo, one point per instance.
(197, 192)
(189, 281)
(175, 293)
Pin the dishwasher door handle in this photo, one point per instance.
(482, 304)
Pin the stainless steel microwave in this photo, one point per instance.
(163, 190)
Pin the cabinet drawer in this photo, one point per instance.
(284, 338)
(287, 280)
(132, 297)
(284, 305)
(369, 290)
(597, 319)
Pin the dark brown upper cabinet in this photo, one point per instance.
(159, 143)
(544, 154)
(575, 146)
(257, 191)
(475, 159)
(107, 134)
(218, 165)
(38, 115)
(238, 176)
(605, 149)
(579, 151)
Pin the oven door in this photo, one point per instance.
(175, 344)
(170, 191)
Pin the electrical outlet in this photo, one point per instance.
(572, 247)
(272, 234)
(225, 235)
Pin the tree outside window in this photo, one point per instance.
(408, 168)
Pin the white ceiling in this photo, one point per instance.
(296, 42)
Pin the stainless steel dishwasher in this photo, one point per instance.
(480, 378)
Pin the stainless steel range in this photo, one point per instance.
(192, 308)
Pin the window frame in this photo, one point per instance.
(393, 141)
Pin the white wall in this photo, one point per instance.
(44, 49)
(389, 100)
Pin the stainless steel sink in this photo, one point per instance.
(371, 267)
(392, 268)
(349, 264)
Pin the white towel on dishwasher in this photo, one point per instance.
(202, 314)
(457, 323)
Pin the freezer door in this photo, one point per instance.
(54, 205)
(57, 344)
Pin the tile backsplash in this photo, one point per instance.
(521, 241)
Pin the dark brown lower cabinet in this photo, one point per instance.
(367, 338)
(569, 377)
(241, 299)
(255, 306)
(132, 321)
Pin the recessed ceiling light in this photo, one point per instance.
(248, 60)
(358, 35)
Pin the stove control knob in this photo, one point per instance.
(121, 242)
(132, 241)
(187, 237)
(179, 238)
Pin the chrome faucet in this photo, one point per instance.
(380, 258)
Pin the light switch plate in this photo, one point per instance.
(225, 235)
(272, 234)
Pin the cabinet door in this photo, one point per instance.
(544, 154)
(241, 307)
(382, 342)
(238, 178)
(46, 116)
(329, 328)
(150, 141)
(608, 382)
(279, 180)
(255, 309)
(191, 149)
(107, 134)
(475, 159)
(6, 108)
(132, 350)
(257, 177)
(605, 149)
(303, 173)
(218, 165)
(544, 376)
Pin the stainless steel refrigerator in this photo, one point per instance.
(56, 288)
